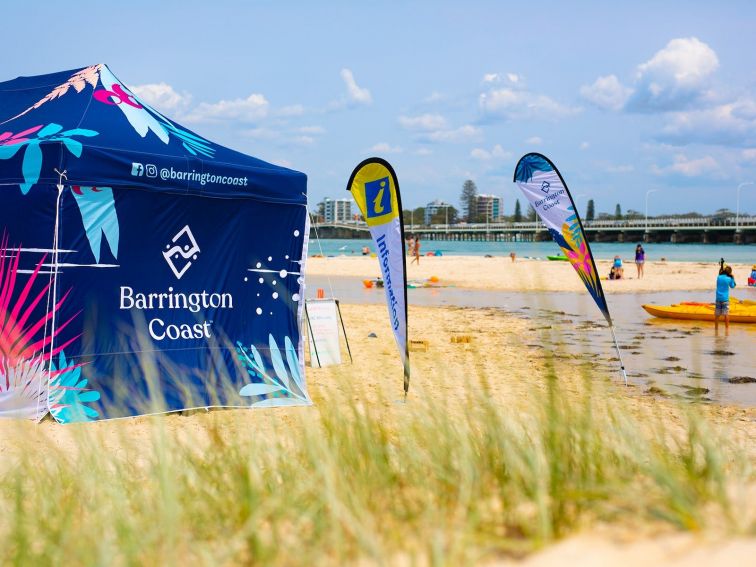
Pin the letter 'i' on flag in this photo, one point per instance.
(375, 189)
(545, 189)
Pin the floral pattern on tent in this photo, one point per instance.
(26, 342)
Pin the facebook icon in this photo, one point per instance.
(137, 169)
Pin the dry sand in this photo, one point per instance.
(498, 351)
(499, 273)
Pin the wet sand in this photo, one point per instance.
(669, 357)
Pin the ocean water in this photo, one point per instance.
(732, 253)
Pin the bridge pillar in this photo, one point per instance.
(738, 238)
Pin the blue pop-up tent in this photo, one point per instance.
(143, 268)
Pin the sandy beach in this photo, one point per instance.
(508, 356)
(500, 273)
(502, 357)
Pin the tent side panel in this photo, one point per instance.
(185, 302)
(26, 251)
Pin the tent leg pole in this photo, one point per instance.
(55, 261)
(619, 355)
(343, 328)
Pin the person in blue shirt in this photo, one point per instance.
(725, 282)
(617, 270)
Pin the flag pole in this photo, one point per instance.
(619, 355)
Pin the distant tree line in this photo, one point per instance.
(468, 211)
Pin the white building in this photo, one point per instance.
(432, 209)
(337, 210)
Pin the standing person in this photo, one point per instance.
(411, 246)
(725, 282)
(640, 259)
(417, 252)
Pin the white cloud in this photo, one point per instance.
(385, 148)
(606, 92)
(511, 104)
(620, 168)
(163, 97)
(423, 152)
(731, 124)
(749, 154)
(497, 152)
(464, 133)
(682, 165)
(356, 93)
(534, 140)
(674, 77)
(291, 110)
(282, 162)
(311, 130)
(303, 140)
(261, 133)
(435, 96)
(584, 145)
(426, 122)
(494, 78)
(251, 109)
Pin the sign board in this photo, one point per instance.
(324, 333)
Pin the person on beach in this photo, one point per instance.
(416, 252)
(619, 271)
(365, 250)
(640, 259)
(752, 277)
(725, 282)
(411, 246)
(512, 255)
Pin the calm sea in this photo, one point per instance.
(741, 254)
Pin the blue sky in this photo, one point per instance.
(624, 99)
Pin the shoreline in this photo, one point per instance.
(501, 274)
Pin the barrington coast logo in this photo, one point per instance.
(182, 251)
(184, 247)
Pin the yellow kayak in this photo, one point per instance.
(741, 311)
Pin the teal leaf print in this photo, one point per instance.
(284, 387)
(69, 394)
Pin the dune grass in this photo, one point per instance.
(434, 481)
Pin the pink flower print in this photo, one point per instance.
(10, 139)
(580, 259)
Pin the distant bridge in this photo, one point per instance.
(705, 230)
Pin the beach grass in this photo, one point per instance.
(361, 478)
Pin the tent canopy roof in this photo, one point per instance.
(90, 126)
